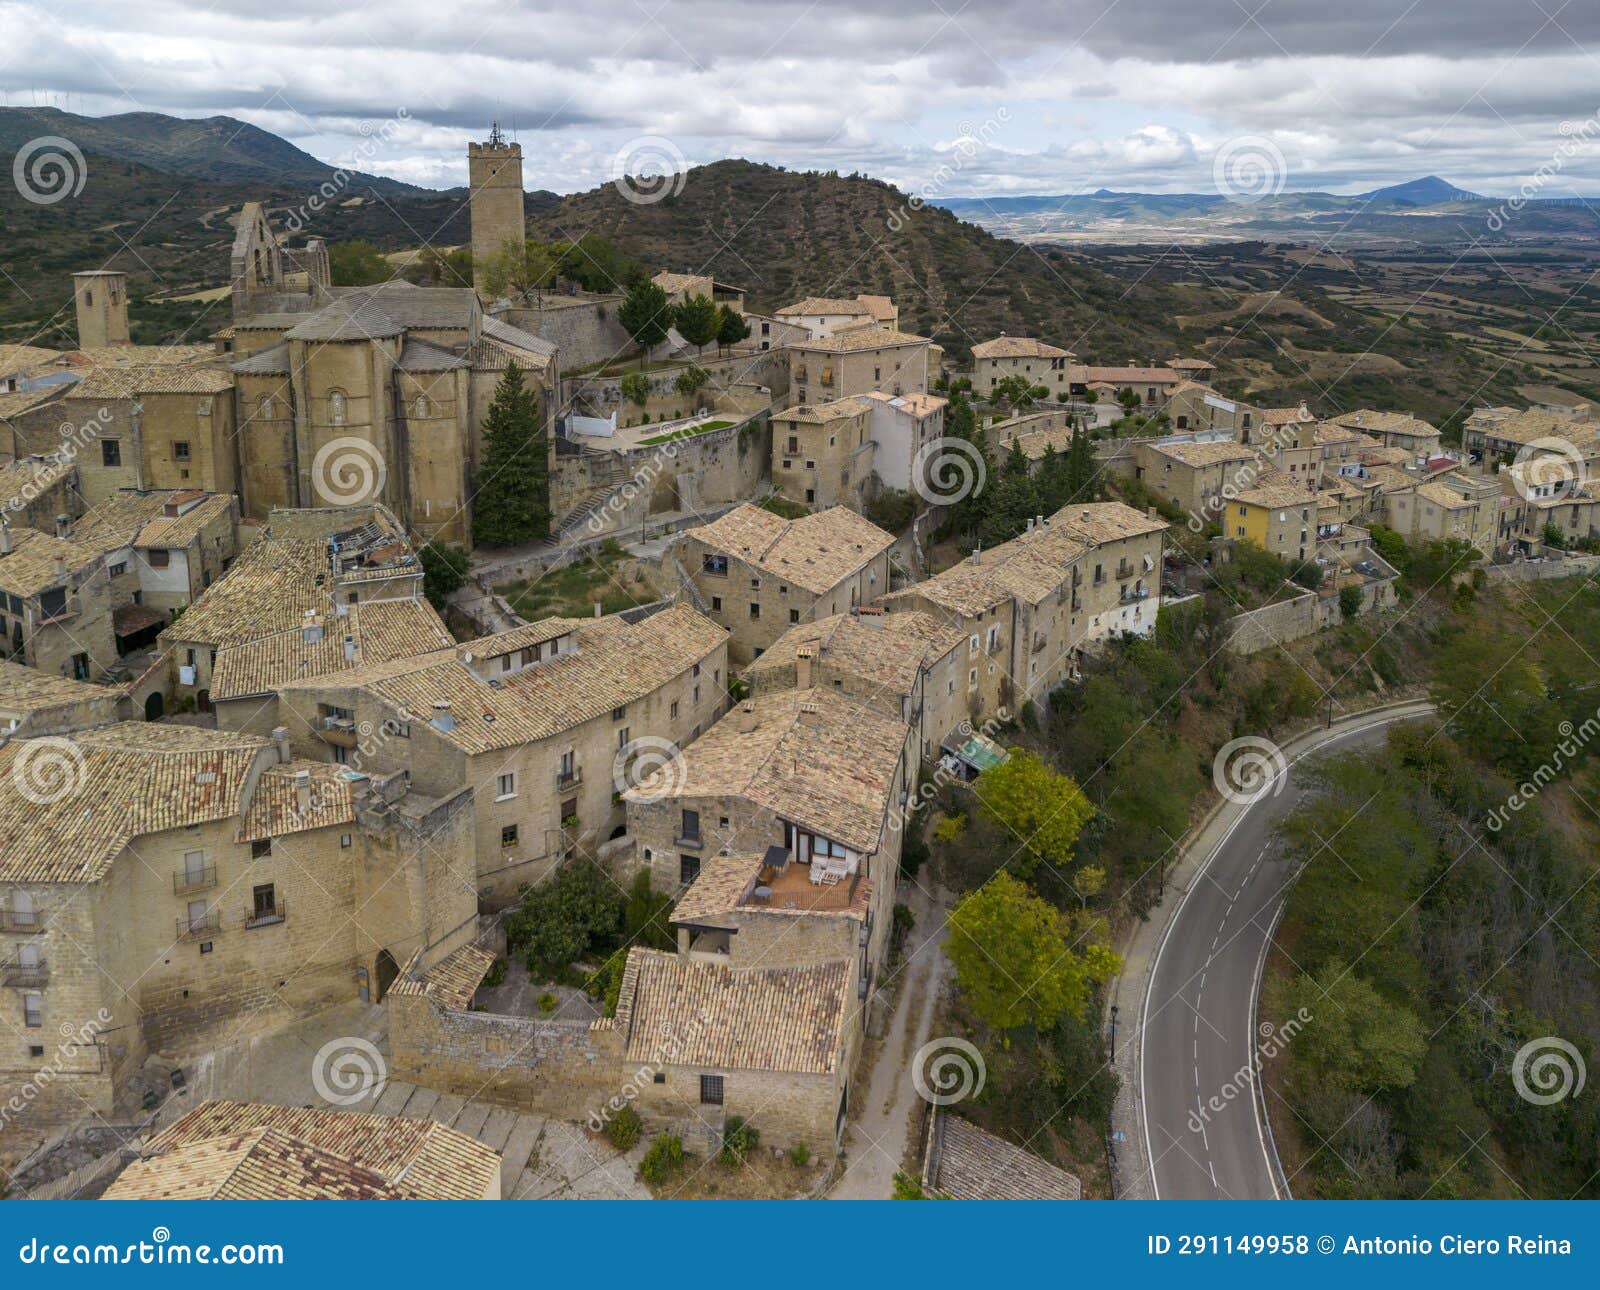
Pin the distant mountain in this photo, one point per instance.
(218, 149)
(1427, 191)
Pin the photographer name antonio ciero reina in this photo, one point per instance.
(1456, 1243)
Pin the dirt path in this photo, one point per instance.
(876, 1139)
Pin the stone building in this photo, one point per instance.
(546, 721)
(1277, 517)
(1393, 430)
(861, 359)
(909, 665)
(901, 427)
(758, 575)
(36, 491)
(821, 455)
(1033, 360)
(823, 316)
(1031, 607)
(37, 703)
(252, 1151)
(56, 613)
(101, 298)
(216, 889)
(1196, 471)
(319, 591)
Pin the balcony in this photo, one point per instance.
(569, 778)
(339, 731)
(1135, 594)
(25, 924)
(188, 882)
(199, 927)
(278, 913)
(14, 972)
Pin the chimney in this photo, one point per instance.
(350, 649)
(977, 554)
(747, 718)
(311, 627)
(811, 715)
(1150, 512)
(63, 526)
(1084, 515)
(1029, 529)
(60, 567)
(597, 609)
(802, 668)
(302, 791)
(5, 538)
(443, 719)
(280, 736)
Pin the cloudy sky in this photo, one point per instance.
(943, 97)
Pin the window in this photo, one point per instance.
(716, 604)
(717, 564)
(755, 610)
(688, 869)
(623, 739)
(508, 835)
(159, 558)
(336, 409)
(344, 841)
(673, 711)
(80, 667)
(199, 915)
(180, 450)
(261, 848)
(111, 452)
(119, 568)
(35, 1050)
(399, 729)
(711, 1090)
(794, 615)
(33, 1010)
(569, 810)
(505, 786)
(691, 826)
(617, 714)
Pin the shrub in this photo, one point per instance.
(739, 1139)
(624, 1128)
(1349, 601)
(800, 1156)
(496, 974)
(662, 1160)
(547, 1002)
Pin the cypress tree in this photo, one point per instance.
(511, 503)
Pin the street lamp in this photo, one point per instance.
(1113, 1032)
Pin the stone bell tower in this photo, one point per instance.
(101, 296)
(494, 170)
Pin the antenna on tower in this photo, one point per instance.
(496, 139)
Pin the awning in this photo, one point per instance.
(976, 751)
(127, 620)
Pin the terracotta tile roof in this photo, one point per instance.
(128, 518)
(275, 811)
(816, 552)
(1101, 522)
(117, 382)
(722, 884)
(269, 589)
(31, 565)
(967, 1163)
(250, 1151)
(1443, 495)
(31, 474)
(17, 402)
(16, 360)
(26, 689)
(1285, 416)
(1121, 376)
(452, 981)
(615, 663)
(886, 650)
(1272, 496)
(379, 630)
(1018, 347)
(708, 1015)
(918, 405)
(1534, 423)
(1209, 453)
(814, 757)
(819, 305)
(858, 338)
(69, 805)
(1190, 365)
(817, 413)
(1399, 423)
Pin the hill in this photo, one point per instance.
(219, 149)
(1427, 191)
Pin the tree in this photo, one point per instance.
(1128, 399)
(444, 571)
(511, 502)
(644, 315)
(696, 320)
(446, 268)
(1554, 537)
(595, 265)
(578, 910)
(1353, 1035)
(1080, 467)
(691, 380)
(636, 388)
(731, 327)
(519, 270)
(357, 264)
(1349, 601)
(1041, 809)
(1015, 960)
(1018, 392)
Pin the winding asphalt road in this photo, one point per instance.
(1198, 1020)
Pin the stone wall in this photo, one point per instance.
(584, 328)
(601, 394)
(1572, 566)
(1272, 625)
